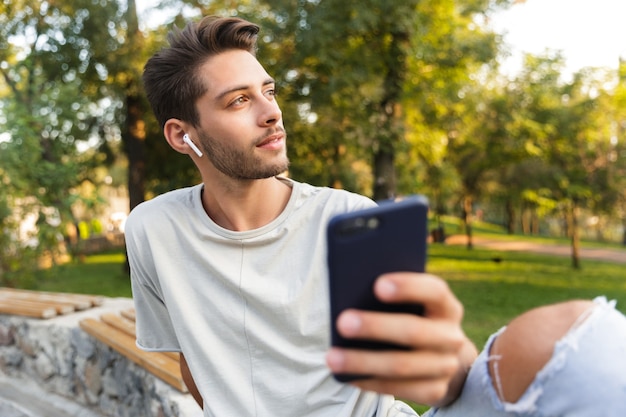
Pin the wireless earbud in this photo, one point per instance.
(191, 144)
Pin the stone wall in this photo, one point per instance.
(64, 360)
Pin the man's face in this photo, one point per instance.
(241, 129)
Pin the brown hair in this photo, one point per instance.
(170, 77)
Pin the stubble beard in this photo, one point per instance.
(242, 164)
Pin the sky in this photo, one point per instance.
(589, 33)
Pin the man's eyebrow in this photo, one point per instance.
(242, 87)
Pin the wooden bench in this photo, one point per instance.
(44, 305)
(118, 332)
(115, 330)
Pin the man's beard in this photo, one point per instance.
(242, 164)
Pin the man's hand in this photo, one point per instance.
(433, 370)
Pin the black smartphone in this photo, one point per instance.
(362, 245)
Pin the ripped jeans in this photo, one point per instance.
(586, 375)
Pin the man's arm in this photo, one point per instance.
(188, 379)
(434, 368)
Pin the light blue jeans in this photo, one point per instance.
(586, 375)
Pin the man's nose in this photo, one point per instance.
(271, 113)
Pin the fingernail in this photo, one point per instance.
(335, 359)
(386, 288)
(350, 323)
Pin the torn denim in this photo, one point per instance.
(586, 375)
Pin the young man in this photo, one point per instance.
(231, 273)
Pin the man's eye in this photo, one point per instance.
(238, 100)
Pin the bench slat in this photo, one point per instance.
(39, 312)
(120, 323)
(129, 314)
(79, 299)
(78, 303)
(123, 324)
(59, 308)
(160, 365)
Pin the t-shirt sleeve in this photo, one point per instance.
(154, 328)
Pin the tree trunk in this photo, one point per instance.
(134, 133)
(335, 169)
(390, 127)
(574, 234)
(525, 218)
(134, 140)
(510, 215)
(624, 233)
(385, 175)
(535, 222)
(467, 220)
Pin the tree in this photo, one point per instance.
(449, 52)
(617, 153)
(354, 86)
(360, 68)
(51, 62)
(142, 137)
(345, 102)
(570, 133)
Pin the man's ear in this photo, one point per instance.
(174, 130)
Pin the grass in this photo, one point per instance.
(494, 292)
(101, 274)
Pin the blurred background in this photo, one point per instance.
(506, 113)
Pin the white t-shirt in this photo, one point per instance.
(250, 310)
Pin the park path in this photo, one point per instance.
(603, 254)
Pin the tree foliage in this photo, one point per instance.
(384, 98)
(51, 62)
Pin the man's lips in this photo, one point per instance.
(272, 140)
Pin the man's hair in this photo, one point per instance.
(171, 78)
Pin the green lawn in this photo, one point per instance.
(101, 274)
(494, 292)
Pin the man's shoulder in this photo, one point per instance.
(162, 205)
(335, 199)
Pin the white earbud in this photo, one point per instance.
(191, 144)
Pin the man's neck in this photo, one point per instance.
(245, 205)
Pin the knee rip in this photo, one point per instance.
(527, 344)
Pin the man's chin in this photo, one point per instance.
(270, 172)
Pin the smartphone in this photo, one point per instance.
(364, 244)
